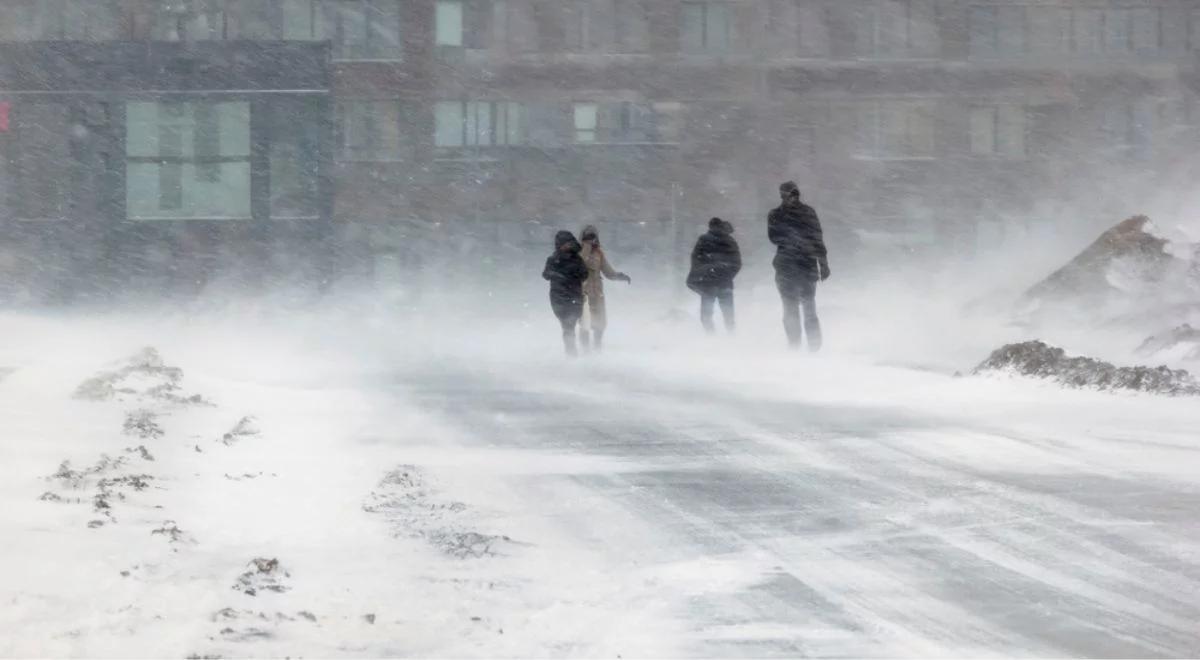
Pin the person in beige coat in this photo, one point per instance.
(595, 318)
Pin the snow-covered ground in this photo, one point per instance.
(446, 484)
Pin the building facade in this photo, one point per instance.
(370, 136)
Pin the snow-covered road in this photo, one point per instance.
(787, 526)
(425, 493)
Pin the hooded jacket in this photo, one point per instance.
(566, 273)
(597, 265)
(795, 230)
(716, 260)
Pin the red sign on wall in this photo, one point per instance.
(5, 106)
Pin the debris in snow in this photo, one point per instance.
(144, 375)
(1040, 360)
(143, 423)
(405, 497)
(142, 451)
(370, 618)
(1184, 338)
(95, 523)
(244, 428)
(171, 530)
(265, 575)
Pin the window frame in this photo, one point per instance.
(706, 46)
(182, 160)
(506, 124)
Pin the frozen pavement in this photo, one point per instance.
(266, 493)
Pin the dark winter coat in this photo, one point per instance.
(716, 260)
(566, 273)
(794, 228)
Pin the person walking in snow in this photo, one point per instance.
(716, 260)
(801, 261)
(595, 317)
(566, 273)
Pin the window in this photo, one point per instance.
(631, 26)
(586, 122)
(607, 26)
(1195, 29)
(896, 29)
(187, 160)
(478, 124)
(91, 20)
(1147, 30)
(1129, 126)
(449, 21)
(1086, 35)
(199, 20)
(895, 129)
(1117, 29)
(80, 20)
(707, 27)
(362, 29)
(623, 122)
(997, 31)
(1049, 30)
(465, 23)
(370, 130)
(998, 131)
(298, 19)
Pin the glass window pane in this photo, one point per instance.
(1011, 130)
(234, 128)
(719, 27)
(1116, 30)
(1010, 36)
(448, 124)
(141, 129)
(1086, 34)
(983, 131)
(180, 160)
(983, 31)
(892, 29)
(1147, 30)
(632, 26)
(692, 35)
(297, 19)
(251, 19)
(449, 23)
(586, 120)
(1048, 29)
(383, 17)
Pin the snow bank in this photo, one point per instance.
(1039, 360)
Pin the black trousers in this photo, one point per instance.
(708, 299)
(800, 294)
(568, 315)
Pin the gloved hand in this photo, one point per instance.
(824, 270)
(625, 278)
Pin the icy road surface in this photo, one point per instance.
(456, 497)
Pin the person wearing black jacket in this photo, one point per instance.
(566, 272)
(801, 261)
(716, 260)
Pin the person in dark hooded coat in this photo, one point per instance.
(716, 260)
(801, 260)
(566, 272)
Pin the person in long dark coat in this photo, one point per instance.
(566, 272)
(716, 260)
(801, 260)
